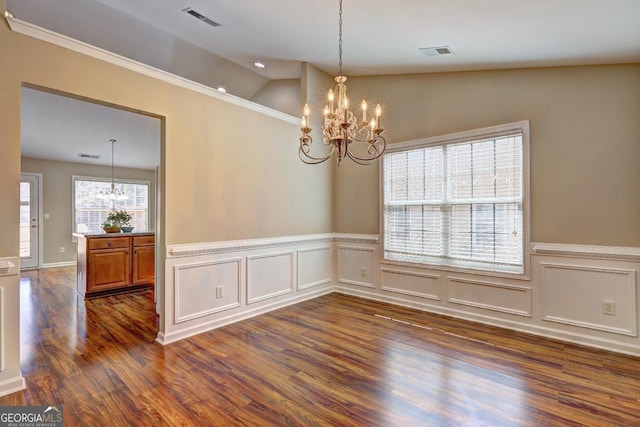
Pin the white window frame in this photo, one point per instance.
(107, 182)
(461, 137)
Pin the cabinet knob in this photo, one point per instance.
(110, 244)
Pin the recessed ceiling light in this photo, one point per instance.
(259, 65)
(221, 89)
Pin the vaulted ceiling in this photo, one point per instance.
(380, 37)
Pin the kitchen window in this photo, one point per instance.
(90, 210)
(459, 201)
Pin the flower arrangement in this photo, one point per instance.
(116, 220)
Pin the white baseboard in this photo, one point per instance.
(181, 334)
(59, 264)
(575, 338)
(12, 385)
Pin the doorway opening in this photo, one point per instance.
(65, 136)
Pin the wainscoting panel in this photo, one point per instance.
(421, 285)
(506, 298)
(561, 298)
(574, 295)
(205, 288)
(269, 276)
(356, 265)
(256, 276)
(314, 267)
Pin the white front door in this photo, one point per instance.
(30, 220)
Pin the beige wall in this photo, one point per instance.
(282, 95)
(229, 172)
(585, 143)
(315, 84)
(57, 202)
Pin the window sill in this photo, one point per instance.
(478, 270)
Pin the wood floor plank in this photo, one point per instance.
(331, 361)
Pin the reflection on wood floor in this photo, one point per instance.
(331, 361)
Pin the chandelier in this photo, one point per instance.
(111, 193)
(342, 127)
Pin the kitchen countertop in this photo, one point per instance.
(97, 235)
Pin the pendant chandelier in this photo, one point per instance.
(111, 193)
(342, 127)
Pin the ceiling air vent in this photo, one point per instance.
(436, 51)
(201, 17)
(89, 156)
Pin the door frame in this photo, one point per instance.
(40, 216)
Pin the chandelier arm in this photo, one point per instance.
(310, 160)
(359, 159)
(303, 153)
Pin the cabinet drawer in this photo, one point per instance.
(109, 243)
(144, 240)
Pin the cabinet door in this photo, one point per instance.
(108, 269)
(144, 265)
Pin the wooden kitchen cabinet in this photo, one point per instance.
(111, 263)
(144, 260)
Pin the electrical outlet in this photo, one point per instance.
(61, 249)
(609, 307)
(363, 272)
(218, 291)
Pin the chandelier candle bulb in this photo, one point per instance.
(345, 109)
(364, 111)
(331, 98)
(305, 116)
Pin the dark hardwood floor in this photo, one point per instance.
(331, 361)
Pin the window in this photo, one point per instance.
(90, 211)
(458, 200)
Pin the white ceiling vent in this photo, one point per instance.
(436, 51)
(88, 156)
(201, 17)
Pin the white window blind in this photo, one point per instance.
(457, 203)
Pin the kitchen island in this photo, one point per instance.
(115, 262)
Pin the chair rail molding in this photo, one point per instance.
(584, 251)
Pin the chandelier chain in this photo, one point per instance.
(340, 39)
